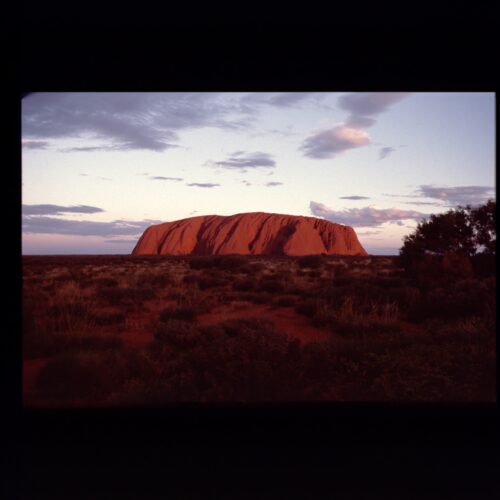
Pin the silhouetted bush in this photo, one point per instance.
(154, 279)
(211, 281)
(237, 360)
(201, 262)
(121, 296)
(244, 285)
(311, 261)
(230, 262)
(464, 298)
(178, 313)
(271, 286)
(461, 232)
(108, 319)
(344, 280)
(191, 279)
(106, 282)
(254, 268)
(484, 265)
(176, 333)
(259, 298)
(386, 282)
(285, 301)
(314, 274)
(307, 307)
(89, 376)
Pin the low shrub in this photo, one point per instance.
(465, 298)
(185, 313)
(191, 279)
(244, 285)
(484, 265)
(211, 281)
(176, 333)
(285, 301)
(307, 307)
(311, 261)
(271, 286)
(89, 376)
(109, 318)
(201, 262)
(314, 274)
(123, 296)
(230, 262)
(158, 279)
(259, 298)
(254, 268)
(349, 318)
(106, 282)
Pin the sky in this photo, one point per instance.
(99, 168)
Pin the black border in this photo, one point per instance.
(435, 52)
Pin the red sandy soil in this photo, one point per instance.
(249, 234)
(137, 339)
(285, 319)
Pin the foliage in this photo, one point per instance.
(464, 231)
(311, 261)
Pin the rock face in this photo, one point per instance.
(255, 233)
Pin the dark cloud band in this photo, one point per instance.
(59, 210)
(354, 197)
(203, 184)
(242, 160)
(52, 225)
(160, 178)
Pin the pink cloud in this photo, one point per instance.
(365, 217)
(330, 143)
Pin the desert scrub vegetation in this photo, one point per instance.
(119, 296)
(352, 319)
(393, 336)
(237, 360)
(244, 284)
(223, 262)
(284, 301)
(106, 319)
(89, 376)
(311, 261)
(184, 313)
(271, 284)
(69, 310)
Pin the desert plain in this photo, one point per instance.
(126, 331)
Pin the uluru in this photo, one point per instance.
(255, 233)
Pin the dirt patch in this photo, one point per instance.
(285, 319)
(137, 339)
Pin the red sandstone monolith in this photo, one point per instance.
(255, 233)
